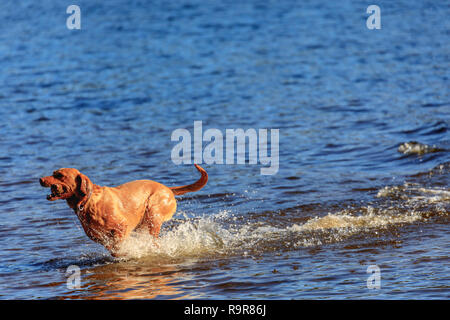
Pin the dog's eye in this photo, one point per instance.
(57, 175)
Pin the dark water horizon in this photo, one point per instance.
(364, 162)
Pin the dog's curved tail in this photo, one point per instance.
(200, 183)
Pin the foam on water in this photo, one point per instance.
(418, 148)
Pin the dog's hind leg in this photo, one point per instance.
(151, 221)
(159, 208)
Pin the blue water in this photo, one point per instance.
(105, 100)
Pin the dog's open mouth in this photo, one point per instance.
(58, 192)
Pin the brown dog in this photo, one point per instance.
(109, 214)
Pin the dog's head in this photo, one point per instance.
(68, 184)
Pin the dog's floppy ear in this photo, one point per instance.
(84, 189)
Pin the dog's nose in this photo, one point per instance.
(41, 181)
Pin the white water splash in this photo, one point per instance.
(190, 239)
(212, 236)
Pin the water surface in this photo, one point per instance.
(105, 99)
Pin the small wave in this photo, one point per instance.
(336, 227)
(418, 148)
(431, 202)
(414, 192)
(346, 220)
